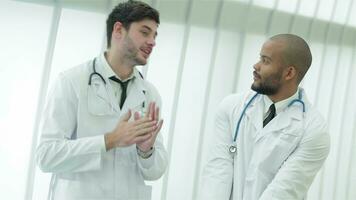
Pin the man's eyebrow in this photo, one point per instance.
(264, 56)
(149, 28)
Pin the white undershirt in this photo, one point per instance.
(280, 105)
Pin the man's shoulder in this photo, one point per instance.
(236, 98)
(234, 101)
(315, 122)
(77, 71)
(315, 117)
(148, 85)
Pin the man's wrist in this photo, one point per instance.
(145, 154)
(108, 142)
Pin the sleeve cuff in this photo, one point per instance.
(101, 143)
(146, 163)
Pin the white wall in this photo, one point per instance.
(205, 51)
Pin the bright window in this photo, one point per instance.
(24, 32)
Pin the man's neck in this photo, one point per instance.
(283, 94)
(121, 69)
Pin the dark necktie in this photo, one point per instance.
(271, 115)
(123, 88)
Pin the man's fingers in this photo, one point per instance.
(158, 127)
(126, 116)
(141, 121)
(137, 116)
(146, 130)
(156, 114)
(156, 131)
(150, 110)
(142, 138)
(146, 125)
(153, 114)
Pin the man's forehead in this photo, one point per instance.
(151, 24)
(272, 47)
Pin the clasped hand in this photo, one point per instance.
(142, 131)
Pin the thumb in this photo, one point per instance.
(126, 116)
(136, 116)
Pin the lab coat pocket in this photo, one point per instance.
(99, 100)
(140, 109)
(279, 147)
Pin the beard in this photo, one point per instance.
(132, 52)
(269, 85)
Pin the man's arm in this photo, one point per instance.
(154, 166)
(57, 152)
(217, 176)
(296, 175)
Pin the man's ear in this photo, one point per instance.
(117, 30)
(290, 73)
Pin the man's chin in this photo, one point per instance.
(264, 91)
(254, 87)
(141, 61)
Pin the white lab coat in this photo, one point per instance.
(277, 162)
(72, 144)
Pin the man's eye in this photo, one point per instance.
(264, 60)
(145, 33)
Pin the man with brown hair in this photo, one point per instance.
(100, 129)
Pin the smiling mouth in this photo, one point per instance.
(146, 52)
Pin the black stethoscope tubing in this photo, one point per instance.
(102, 78)
(95, 73)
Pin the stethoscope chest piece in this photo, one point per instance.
(233, 148)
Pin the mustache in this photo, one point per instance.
(256, 74)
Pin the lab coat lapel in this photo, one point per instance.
(255, 112)
(282, 121)
(102, 90)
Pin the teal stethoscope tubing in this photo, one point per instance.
(232, 148)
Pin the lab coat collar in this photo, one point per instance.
(286, 117)
(254, 114)
(280, 105)
(136, 95)
(103, 91)
(108, 72)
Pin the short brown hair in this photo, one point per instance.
(128, 12)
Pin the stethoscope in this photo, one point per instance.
(102, 78)
(233, 146)
(53, 177)
(95, 73)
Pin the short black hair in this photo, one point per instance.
(128, 12)
(296, 53)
